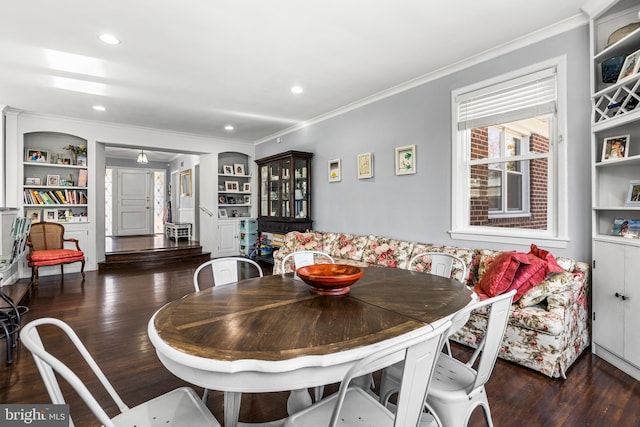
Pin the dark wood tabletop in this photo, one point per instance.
(276, 318)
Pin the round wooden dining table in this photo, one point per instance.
(271, 333)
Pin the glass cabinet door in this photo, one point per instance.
(286, 189)
(274, 188)
(300, 185)
(264, 190)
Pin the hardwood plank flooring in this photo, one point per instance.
(110, 311)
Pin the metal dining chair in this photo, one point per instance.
(180, 407)
(304, 258)
(353, 406)
(224, 270)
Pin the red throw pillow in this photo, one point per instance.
(528, 276)
(501, 271)
(552, 265)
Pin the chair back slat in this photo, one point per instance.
(46, 235)
(223, 270)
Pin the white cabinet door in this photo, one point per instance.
(228, 243)
(632, 305)
(608, 279)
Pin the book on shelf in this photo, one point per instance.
(82, 178)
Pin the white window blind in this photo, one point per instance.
(520, 98)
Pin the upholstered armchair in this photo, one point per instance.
(46, 247)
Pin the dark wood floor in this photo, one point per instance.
(110, 311)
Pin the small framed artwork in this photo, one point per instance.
(615, 147)
(335, 170)
(81, 161)
(50, 215)
(33, 181)
(36, 155)
(365, 166)
(62, 215)
(238, 169)
(626, 227)
(34, 214)
(231, 186)
(185, 183)
(66, 161)
(246, 187)
(633, 195)
(247, 199)
(222, 213)
(405, 160)
(630, 66)
(53, 180)
(227, 170)
(222, 199)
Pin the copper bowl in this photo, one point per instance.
(330, 279)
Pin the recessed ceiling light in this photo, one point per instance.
(99, 108)
(296, 89)
(228, 128)
(109, 39)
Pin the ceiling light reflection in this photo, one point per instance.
(77, 85)
(72, 63)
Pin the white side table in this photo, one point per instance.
(174, 230)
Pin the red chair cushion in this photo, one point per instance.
(54, 256)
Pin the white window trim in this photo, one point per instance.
(556, 236)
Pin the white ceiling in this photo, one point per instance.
(195, 66)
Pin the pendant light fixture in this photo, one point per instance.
(142, 158)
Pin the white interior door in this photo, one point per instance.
(134, 200)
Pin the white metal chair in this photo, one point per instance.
(352, 406)
(180, 407)
(441, 264)
(457, 388)
(224, 270)
(304, 258)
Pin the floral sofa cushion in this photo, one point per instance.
(468, 256)
(348, 246)
(387, 252)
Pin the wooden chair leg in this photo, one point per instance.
(82, 269)
(34, 275)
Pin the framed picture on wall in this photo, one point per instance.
(365, 166)
(405, 160)
(335, 170)
(185, 183)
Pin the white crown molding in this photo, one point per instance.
(524, 41)
(596, 7)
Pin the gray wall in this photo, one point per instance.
(418, 207)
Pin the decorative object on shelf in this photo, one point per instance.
(633, 195)
(82, 160)
(405, 160)
(50, 215)
(246, 187)
(33, 181)
(53, 180)
(330, 279)
(37, 155)
(222, 213)
(335, 170)
(630, 66)
(34, 214)
(227, 170)
(77, 150)
(234, 213)
(615, 147)
(247, 199)
(82, 178)
(238, 169)
(365, 166)
(142, 158)
(626, 227)
(622, 32)
(185, 183)
(222, 199)
(62, 215)
(231, 186)
(611, 68)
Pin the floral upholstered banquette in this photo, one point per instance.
(548, 324)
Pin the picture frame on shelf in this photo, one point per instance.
(405, 160)
(626, 227)
(630, 66)
(365, 166)
(53, 180)
(66, 161)
(222, 213)
(246, 187)
(247, 199)
(334, 170)
(633, 194)
(231, 186)
(185, 183)
(222, 199)
(50, 215)
(37, 155)
(81, 161)
(33, 181)
(615, 147)
(238, 169)
(227, 170)
(62, 215)
(34, 214)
